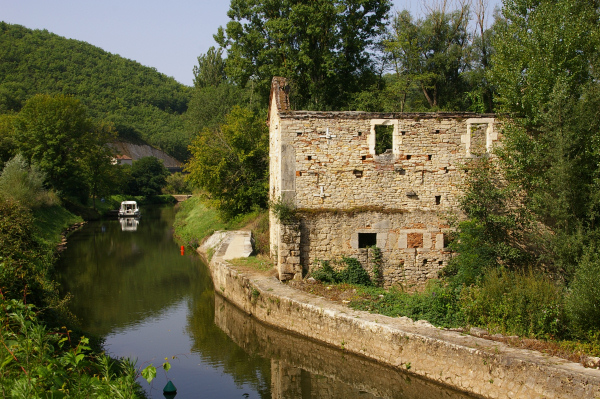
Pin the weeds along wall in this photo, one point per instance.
(362, 179)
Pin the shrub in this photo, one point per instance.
(24, 183)
(525, 304)
(325, 273)
(353, 273)
(583, 303)
(438, 303)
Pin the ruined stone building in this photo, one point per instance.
(359, 179)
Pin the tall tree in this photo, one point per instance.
(545, 70)
(431, 53)
(230, 164)
(210, 70)
(322, 46)
(55, 133)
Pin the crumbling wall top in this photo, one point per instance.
(280, 90)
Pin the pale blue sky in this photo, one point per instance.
(166, 35)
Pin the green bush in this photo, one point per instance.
(24, 183)
(41, 362)
(583, 303)
(438, 304)
(325, 273)
(353, 273)
(509, 302)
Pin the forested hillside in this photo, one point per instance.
(140, 101)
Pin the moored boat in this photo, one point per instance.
(129, 209)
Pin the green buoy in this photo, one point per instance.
(169, 390)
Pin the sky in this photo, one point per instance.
(166, 35)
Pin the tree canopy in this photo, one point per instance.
(230, 164)
(56, 134)
(322, 46)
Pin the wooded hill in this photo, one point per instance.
(142, 103)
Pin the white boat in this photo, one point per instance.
(129, 209)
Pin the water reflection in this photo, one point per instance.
(148, 302)
(129, 224)
(305, 369)
(118, 278)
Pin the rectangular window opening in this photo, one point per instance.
(309, 158)
(408, 157)
(358, 173)
(366, 240)
(438, 199)
(364, 157)
(383, 138)
(429, 157)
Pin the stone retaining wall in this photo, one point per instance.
(471, 364)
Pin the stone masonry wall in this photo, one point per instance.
(328, 163)
(483, 367)
(412, 252)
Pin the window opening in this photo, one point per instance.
(408, 157)
(438, 199)
(366, 240)
(429, 157)
(478, 139)
(309, 158)
(383, 138)
(364, 157)
(358, 173)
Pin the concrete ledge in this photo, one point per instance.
(471, 364)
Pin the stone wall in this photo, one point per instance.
(302, 368)
(412, 252)
(487, 368)
(331, 162)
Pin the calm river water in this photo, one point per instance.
(131, 286)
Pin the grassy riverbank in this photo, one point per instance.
(40, 355)
(196, 221)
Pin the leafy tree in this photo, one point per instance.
(148, 176)
(322, 47)
(230, 164)
(543, 68)
(210, 105)
(99, 170)
(176, 184)
(538, 44)
(431, 53)
(210, 70)
(8, 146)
(56, 133)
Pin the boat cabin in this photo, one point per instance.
(129, 209)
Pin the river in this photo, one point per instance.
(132, 287)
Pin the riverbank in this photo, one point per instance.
(468, 363)
(41, 352)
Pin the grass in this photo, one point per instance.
(259, 263)
(52, 221)
(196, 221)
